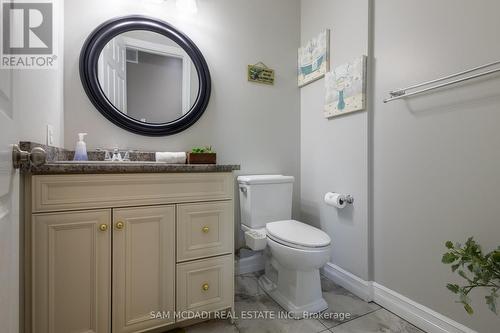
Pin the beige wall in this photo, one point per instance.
(254, 125)
(38, 94)
(427, 166)
(436, 156)
(334, 151)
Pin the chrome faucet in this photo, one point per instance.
(116, 155)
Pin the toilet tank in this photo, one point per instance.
(264, 199)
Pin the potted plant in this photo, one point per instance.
(478, 269)
(202, 155)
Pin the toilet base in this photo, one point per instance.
(298, 312)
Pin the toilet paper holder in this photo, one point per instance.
(349, 199)
(338, 200)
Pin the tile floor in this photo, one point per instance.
(364, 317)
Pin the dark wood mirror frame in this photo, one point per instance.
(89, 58)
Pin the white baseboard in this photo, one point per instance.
(415, 313)
(251, 264)
(359, 287)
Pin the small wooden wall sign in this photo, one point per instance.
(260, 73)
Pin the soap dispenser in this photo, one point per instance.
(81, 148)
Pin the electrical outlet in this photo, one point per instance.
(50, 135)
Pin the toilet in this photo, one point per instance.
(294, 251)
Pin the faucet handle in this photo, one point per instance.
(126, 157)
(107, 156)
(117, 157)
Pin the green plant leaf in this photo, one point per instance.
(454, 288)
(469, 309)
(479, 270)
(201, 150)
(448, 258)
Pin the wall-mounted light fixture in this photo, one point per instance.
(187, 6)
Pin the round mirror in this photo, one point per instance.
(145, 76)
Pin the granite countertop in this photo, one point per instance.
(60, 168)
(59, 162)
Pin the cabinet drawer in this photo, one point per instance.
(205, 285)
(204, 230)
(70, 192)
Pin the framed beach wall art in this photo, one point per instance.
(346, 88)
(314, 59)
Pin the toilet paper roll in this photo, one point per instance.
(335, 200)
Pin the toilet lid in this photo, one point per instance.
(298, 233)
(265, 179)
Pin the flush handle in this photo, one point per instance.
(21, 158)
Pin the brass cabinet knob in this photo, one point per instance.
(119, 225)
(205, 287)
(205, 229)
(103, 227)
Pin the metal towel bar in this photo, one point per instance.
(402, 93)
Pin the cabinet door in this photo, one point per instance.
(71, 272)
(143, 268)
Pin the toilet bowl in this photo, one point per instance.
(293, 251)
(296, 252)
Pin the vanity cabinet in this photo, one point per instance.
(104, 252)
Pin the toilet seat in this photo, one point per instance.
(298, 235)
(295, 246)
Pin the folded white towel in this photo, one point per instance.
(171, 157)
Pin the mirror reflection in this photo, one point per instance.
(148, 77)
